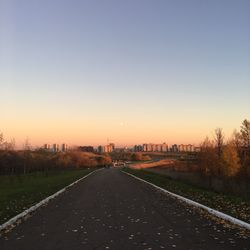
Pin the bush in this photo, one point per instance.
(26, 161)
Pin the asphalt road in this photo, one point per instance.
(111, 210)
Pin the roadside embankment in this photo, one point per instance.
(231, 205)
(17, 193)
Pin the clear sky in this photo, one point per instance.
(134, 71)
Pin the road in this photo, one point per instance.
(111, 210)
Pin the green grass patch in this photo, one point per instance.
(231, 205)
(18, 193)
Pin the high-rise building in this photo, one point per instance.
(138, 148)
(100, 149)
(151, 147)
(55, 147)
(164, 147)
(159, 147)
(190, 148)
(64, 147)
(181, 148)
(174, 148)
(47, 147)
(186, 148)
(145, 147)
(112, 146)
(109, 148)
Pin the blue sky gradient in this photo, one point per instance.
(170, 71)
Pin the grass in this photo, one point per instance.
(18, 193)
(231, 205)
(150, 164)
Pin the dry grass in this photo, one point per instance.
(170, 164)
(161, 163)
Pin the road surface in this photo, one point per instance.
(111, 210)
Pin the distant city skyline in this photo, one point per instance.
(79, 72)
(110, 147)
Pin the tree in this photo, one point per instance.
(230, 160)
(246, 167)
(1, 141)
(208, 158)
(10, 146)
(5, 145)
(245, 133)
(26, 155)
(236, 139)
(136, 157)
(219, 140)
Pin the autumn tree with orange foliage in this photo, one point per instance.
(136, 157)
(230, 160)
(208, 158)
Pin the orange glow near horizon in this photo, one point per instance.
(97, 132)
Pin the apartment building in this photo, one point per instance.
(138, 148)
(55, 147)
(107, 148)
(186, 148)
(150, 147)
(64, 147)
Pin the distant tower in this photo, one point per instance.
(164, 147)
(100, 149)
(55, 148)
(112, 147)
(47, 147)
(64, 147)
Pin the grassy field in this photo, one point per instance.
(18, 193)
(232, 205)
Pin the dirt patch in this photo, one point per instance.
(162, 163)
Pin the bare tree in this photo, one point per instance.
(219, 140)
(9, 146)
(26, 155)
(245, 133)
(237, 140)
(5, 145)
(26, 145)
(1, 141)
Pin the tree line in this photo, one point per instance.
(26, 161)
(226, 158)
(218, 157)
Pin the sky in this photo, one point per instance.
(85, 72)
